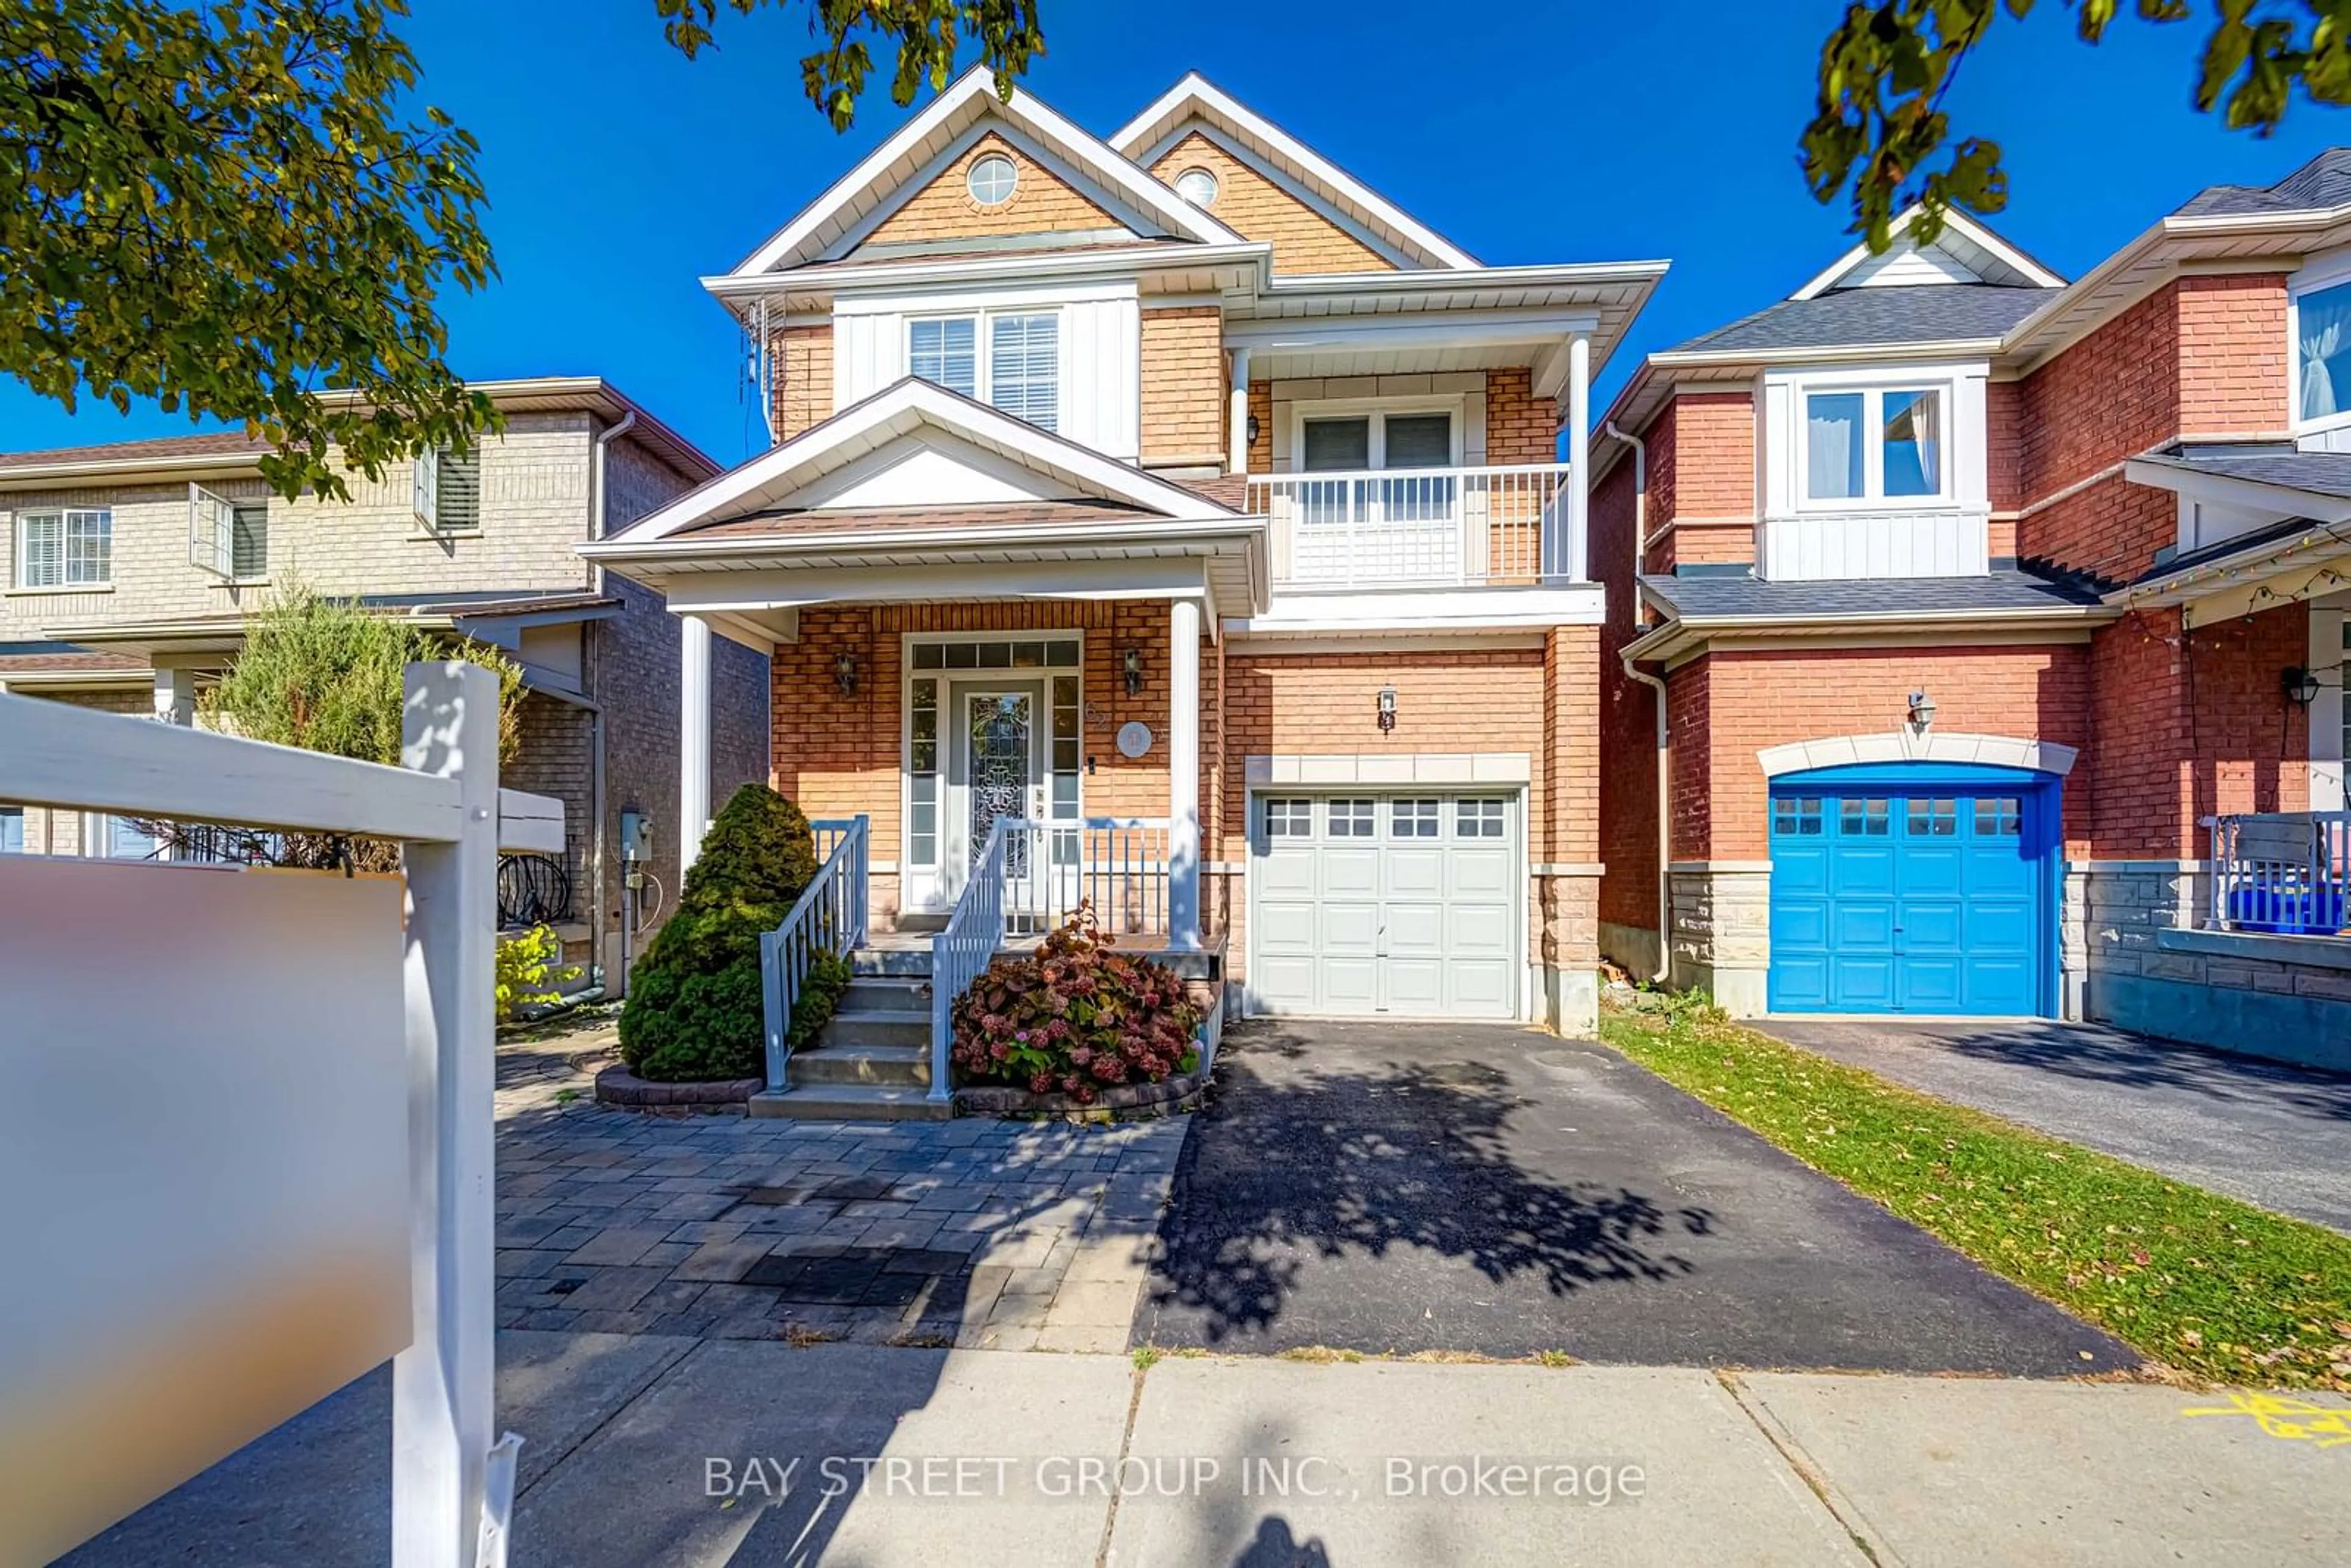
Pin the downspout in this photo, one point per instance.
(1665, 735)
(597, 520)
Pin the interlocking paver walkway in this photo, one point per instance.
(974, 1232)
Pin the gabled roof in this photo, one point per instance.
(2323, 182)
(913, 417)
(2278, 465)
(1195, 102)
(902, 164)
(1964, 251)
(1869, 318)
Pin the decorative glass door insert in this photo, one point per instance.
(1002, 747)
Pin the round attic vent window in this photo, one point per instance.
(991, 179)
(1197, 186)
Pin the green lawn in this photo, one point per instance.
(2206, 1285)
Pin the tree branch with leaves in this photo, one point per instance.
(1888, 68)
(924, 35)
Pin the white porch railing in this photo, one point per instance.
(829, 920)
(1118, 865)
(1419, 528)
(961, 953)
(2283, 871)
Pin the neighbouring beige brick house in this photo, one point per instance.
(1181, 516)
(131, 570)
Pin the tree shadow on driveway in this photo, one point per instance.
(1397, 1188)
(1369, 1161)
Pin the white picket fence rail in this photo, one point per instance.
(452, 1482)
(829, 920)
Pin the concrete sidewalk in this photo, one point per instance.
(658, 1450)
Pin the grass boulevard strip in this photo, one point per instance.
(2199, 1284)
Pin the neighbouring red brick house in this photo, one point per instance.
(1998, 624)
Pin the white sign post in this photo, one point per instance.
(231, 1206)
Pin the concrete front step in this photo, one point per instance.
(906, 1066)
(851, 1102)
(891, 963)
(870, 1029)
(885, 994)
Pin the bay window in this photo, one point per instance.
(1876, 443)
(1020, 371)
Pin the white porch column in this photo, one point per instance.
(693, 743)
(175, 694)
(1579, 455)
(1183, 774)
(1238, 433)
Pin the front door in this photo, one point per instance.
(994, 766)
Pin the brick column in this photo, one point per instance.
(1566, 849)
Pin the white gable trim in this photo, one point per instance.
(1142, 225)
(2019, 268)
(1196, 98)
(902, 409)
(1315, 200)
(971, 99)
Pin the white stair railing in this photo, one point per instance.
(962, 952)
(2287, 873)
(828, 921)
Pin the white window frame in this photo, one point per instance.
(983, 350)
(1377, 410)
(424, 489)
(2316, 277)
(211, 532)
(1873, 496)
(20, 581)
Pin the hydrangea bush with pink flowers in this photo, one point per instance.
(1075, 1019)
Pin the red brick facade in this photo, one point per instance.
(2170, 727)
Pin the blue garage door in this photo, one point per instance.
(1913, 890)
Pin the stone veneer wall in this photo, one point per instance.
(1721, 940)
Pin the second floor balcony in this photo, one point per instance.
(1370, 529)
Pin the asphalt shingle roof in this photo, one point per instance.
(2324, 182)
(2319, 473)
(1862, 317)
(1706, 598)
(205, 445)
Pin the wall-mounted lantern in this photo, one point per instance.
(1922, 712)
(1252, 430)
(1132, 664)
(844, 672)
(2300, 685)
(1388, 707)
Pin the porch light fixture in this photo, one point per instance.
(1252, 430)
(844, 672)
(2300, 686)
(1922, 712)
(1132, 662)
(1388, 707)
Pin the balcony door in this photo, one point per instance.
(1391, 510)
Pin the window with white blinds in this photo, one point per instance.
(1020, 372)
(68, 548)
(249, 540)
(457, 498)
(1024, 367)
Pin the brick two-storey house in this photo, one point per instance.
(1194, 511)
(131, 568)
(1986, 653)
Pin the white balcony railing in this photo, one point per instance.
(2283, 871)
(1419, 528)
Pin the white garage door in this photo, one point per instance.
(1392, 904)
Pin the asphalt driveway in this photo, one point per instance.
(2275, 1136)
(1400, 1188)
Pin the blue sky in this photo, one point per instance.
(618, 173)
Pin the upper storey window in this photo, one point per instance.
(992, 180)
(1020, 371)
(69, 548)
(1876, 443)
(2322, 342)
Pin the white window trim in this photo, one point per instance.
(2316, 277)
(983, 344)
(1873, 497)
(21, 555)
(1377, 409)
